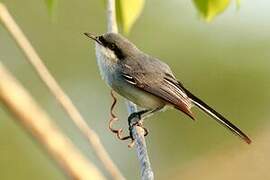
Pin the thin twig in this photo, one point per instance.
(57, 91)
(111, 17)
(141, 148)
(137, 132)
(113, 119)
(42, 128)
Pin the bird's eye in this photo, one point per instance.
(112, 46)
(101, 39)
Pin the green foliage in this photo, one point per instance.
(238, 2)
(51, 4)
(128, 12)
(211, 8)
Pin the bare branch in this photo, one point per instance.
(141, 148)
(138, 132)
(57, 91)
(111, 16)
(42, 128)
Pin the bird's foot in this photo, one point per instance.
(135, 119)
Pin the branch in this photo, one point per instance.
(137, 132)
(42, 128)
(111, 17)
(57, 91)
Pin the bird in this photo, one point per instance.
(147, 81)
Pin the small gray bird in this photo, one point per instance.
(147, 81)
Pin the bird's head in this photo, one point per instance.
(114, 43)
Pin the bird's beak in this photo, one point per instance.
(93, 37)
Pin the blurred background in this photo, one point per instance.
(225, 62)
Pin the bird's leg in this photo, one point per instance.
(134, 119)
(113, 119)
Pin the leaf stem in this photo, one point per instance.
(138, 132)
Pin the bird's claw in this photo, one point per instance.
(134, 119)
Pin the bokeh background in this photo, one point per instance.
(225, 62)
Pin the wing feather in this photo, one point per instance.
(156, 78)
(159, 85)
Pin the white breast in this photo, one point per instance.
(106, 60)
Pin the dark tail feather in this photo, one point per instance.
(218, 117)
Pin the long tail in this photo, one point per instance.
(218, 117)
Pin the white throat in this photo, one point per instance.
(106, 60)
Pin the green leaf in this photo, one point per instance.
(211, 8)
(128, 12)
(51, 4)
(238, 2)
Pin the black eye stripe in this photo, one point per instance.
(111, 46)
(106, 43)
(103, 41)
